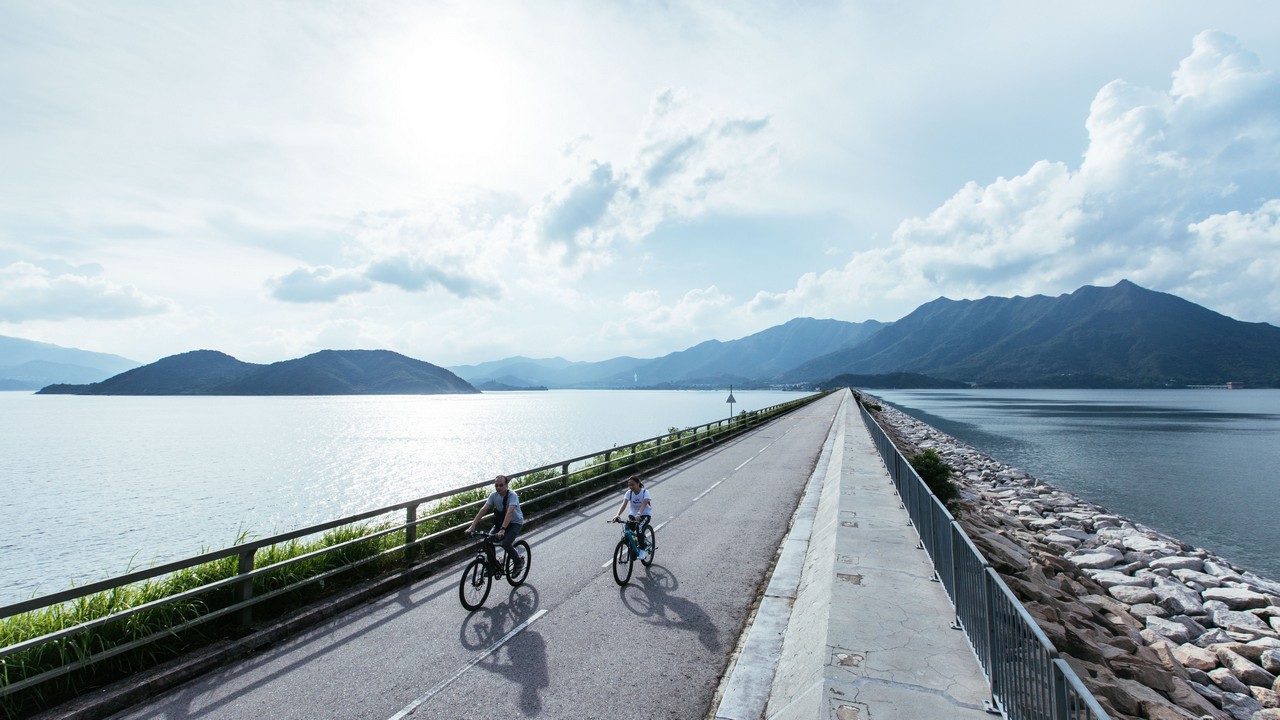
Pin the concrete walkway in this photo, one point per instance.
(852, 626)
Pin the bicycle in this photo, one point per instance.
(626, 551)
(477, 577)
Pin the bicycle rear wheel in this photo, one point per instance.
(622, 563)
(473, 589)
(651, 542)
(518, 561)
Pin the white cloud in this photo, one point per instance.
(322, 284)
(1176, 186)
(28, 292)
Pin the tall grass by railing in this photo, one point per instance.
(54, 646)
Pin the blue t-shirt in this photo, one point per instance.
(496, 502)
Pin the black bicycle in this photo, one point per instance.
(477, 578)
(627, 551)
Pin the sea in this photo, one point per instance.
(1199, 465)
(93, 487)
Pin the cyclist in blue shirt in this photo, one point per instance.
(508, 518)
(641, 509)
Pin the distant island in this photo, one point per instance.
(328, 372)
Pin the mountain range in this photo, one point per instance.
(328, 372)
(1095, 337)
(30, 365)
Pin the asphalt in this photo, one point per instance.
(852, 624)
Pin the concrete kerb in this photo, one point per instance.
(784, 649)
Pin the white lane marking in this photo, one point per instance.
(744, 462)
(408, 709)
(704, 492)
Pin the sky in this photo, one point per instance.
(464, 182)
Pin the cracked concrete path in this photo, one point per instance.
(867, 632)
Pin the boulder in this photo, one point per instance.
(1267, 714)
(1244, 669)
(1178, 598)
(1100, 560)
(1194, 656)
(1266, 697)
(1132, 595)
(1240, 706)
(1236, 598)
(1111, 578)
(1174, 632)
(1227, 681)
(1270, 661)
(1241, 622)
(1178, 562)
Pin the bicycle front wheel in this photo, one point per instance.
(622, 563)
(518, 561)
(473, 590)
(651, 543)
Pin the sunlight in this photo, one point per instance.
(449, 102)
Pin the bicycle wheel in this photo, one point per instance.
(522, 553)
(475, 584)
(651, 542)
(622, 562)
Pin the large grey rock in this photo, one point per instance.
(1174, 632)
(1244, 669)
(1204, 580)
(1227, 681)
(1100, 559)
(1131, 595)
(1270, 661)
(1238, 621)
(1178, 598)
(1178, 562)
(1196, 657)
(1111, 578)
(1236, 598)
(1240, 706)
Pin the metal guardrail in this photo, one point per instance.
(601, 466)
(1029, 681)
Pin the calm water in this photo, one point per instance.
(92, 486)
(1200, 465)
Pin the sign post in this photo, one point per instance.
(731, 401)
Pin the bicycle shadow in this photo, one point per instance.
(651, 596)
(523, 657)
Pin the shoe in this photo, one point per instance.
(517, 566)
(642, 556)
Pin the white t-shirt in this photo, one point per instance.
(637, 499)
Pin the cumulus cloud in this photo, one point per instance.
(29, 292)
(686, 156)
(415, 275)
(692, 318)
(1177, 191)
(321, 284)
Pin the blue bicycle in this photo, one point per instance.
(628, 549)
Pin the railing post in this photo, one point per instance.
(245, 589)
(564, 472)
(410, 533)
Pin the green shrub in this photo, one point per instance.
(936, 474)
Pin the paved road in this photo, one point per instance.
(569, 643)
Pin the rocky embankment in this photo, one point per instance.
(1155, 628)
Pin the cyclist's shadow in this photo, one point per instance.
(650, 595)
(523, 657)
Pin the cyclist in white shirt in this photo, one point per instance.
(641, 509)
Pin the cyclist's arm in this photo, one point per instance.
(643, 506)
(621, 507)
(506, 519)
(479, 514)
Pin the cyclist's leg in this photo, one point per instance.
(640, 526)
(509, 539)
